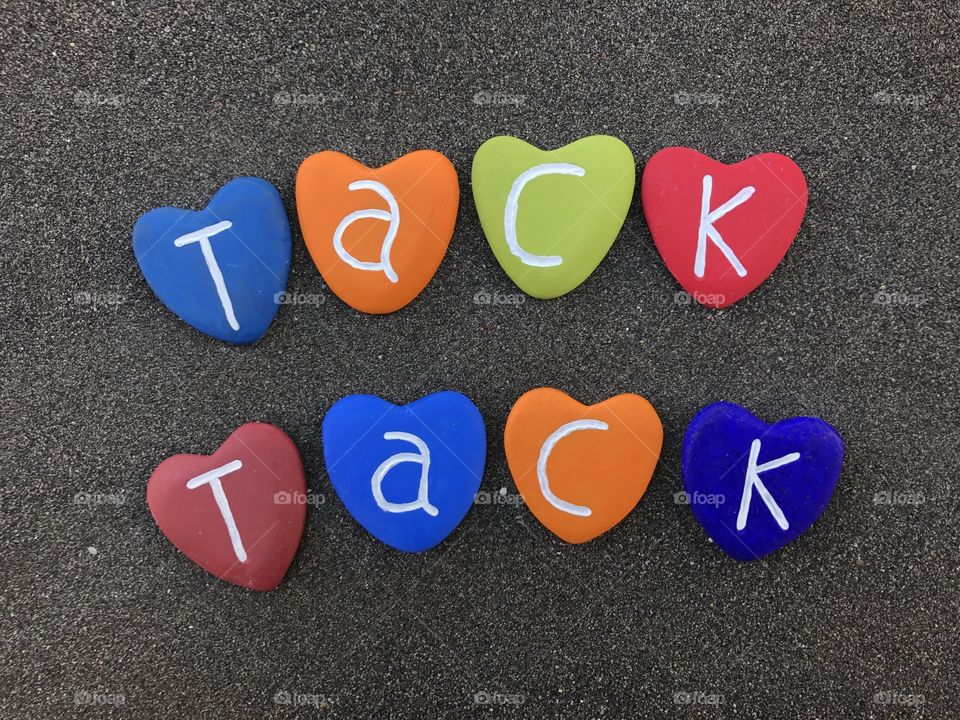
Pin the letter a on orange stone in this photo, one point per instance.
(377, 236)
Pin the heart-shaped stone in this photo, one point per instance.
(550, 216)
(581, 469)
(722, 229)
(223, 269)
(377, 235)
(408, 474)
(756, 487)
(238, 513)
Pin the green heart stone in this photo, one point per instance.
(550, 216)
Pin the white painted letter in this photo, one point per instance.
(545, 451)
(423, 457)
(203, 236)
(708, 218)
(753, 480)
(513, 203)
(392, 217)
(212, 478)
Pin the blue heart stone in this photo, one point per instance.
(793, 467)
(222, 269)
(409, 473)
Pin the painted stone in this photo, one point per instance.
(722, 229)
(756, 487)
(550, 216)
(377, 235)
(238, 513)
(581, 469)
(409, 473)
(222, 269)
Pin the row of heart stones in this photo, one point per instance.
(409, 475)
(378, 236)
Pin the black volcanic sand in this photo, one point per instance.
(110, 109)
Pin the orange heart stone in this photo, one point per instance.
(581, 468)
(377, 235)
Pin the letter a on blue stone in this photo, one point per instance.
(408, 474)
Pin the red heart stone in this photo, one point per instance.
(238, 513)
(722, 229)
